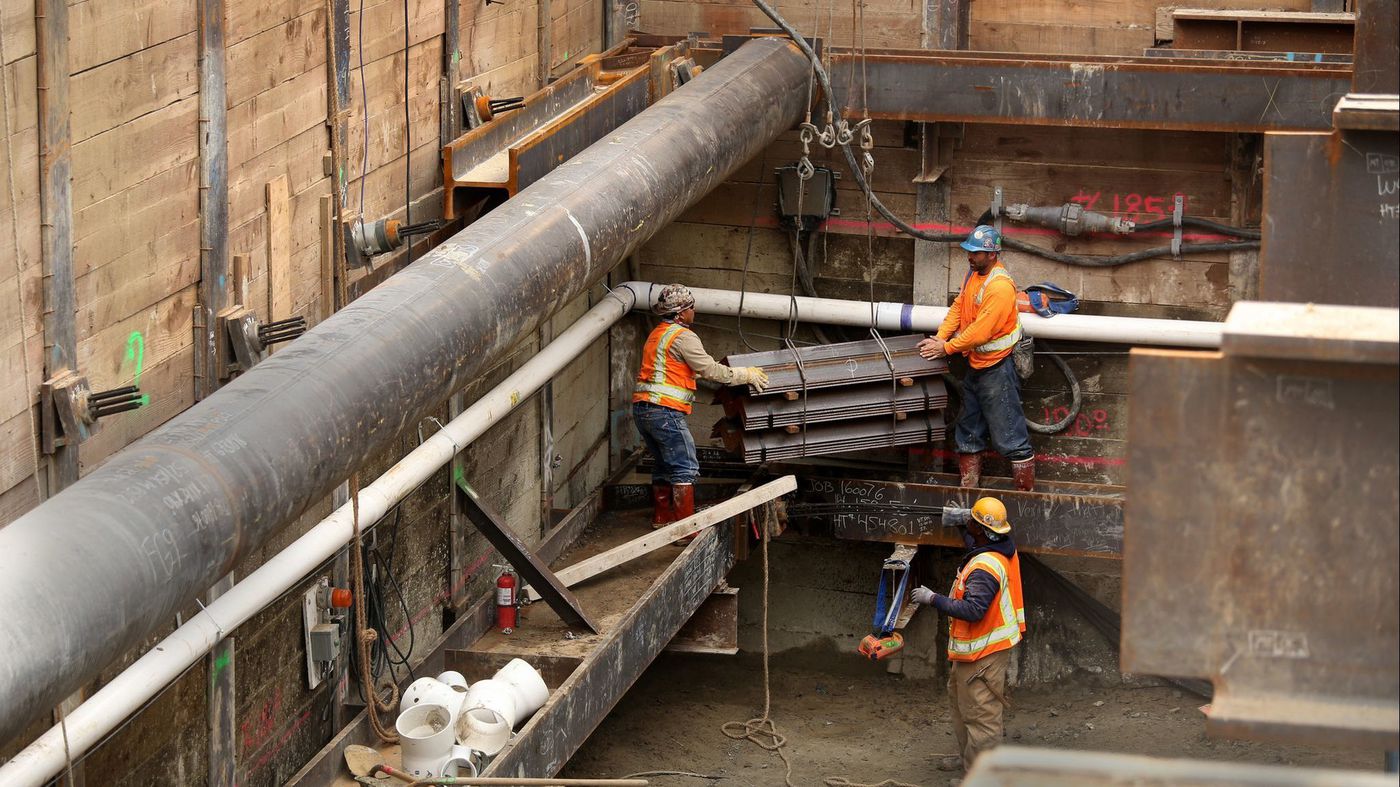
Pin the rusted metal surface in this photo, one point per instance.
(94, 570)
(1312, 332)
(1377, 47)
(864, 401)
(531, 568)
(1333, 228)
(714, 628)
(1042, 522)
(511, 152)
(1024, 766)
(1261, 541)
(1344, 58)
(847, 363)
(557, 730)
(1089, 91)
(577, 128)
(867, 433)
(213, 194)
(56, 213)
(1269, 31)
(1367, 112)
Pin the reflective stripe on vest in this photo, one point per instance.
(655, 389)
(1001, 342)
(1008, 630)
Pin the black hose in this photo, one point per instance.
(1076, 399)
(1200, 223)
(948, 237)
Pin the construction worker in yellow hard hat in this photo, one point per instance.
(672, 359)
(986, 618)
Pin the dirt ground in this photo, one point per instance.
(846, 717)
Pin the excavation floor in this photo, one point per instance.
(844, 717)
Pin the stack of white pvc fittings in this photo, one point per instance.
(449, 728)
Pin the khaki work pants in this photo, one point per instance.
(975, 692)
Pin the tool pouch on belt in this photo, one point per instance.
(1023, 356)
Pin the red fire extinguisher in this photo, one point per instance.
(505, 601)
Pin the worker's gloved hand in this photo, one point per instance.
(754, 376)
(922, 595)
(932, 348)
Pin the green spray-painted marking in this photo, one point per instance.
(136, 355)
(221, 662)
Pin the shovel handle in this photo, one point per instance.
(506, 781)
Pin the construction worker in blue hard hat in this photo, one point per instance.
(986, 618)
(983, 325)
(672, 359)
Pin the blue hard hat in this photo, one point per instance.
(983, 238)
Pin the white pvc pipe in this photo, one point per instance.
(128, 692)
(909, 319)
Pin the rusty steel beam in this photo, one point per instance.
(1059, 523)
(1100, 92)
(1262, 535)
(517, 553)
(93, 571)
(575, 708)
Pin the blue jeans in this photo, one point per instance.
(667, 437)
(991, 408)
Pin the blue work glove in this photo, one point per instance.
(922, 595)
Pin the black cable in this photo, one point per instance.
(1200, 223)
(1076, 400)
(948, 237)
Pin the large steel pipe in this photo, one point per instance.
(92, 572)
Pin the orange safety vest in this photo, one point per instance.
(1009, 331)
(1001, 627)
(665, 379)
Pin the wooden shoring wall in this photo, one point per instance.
(134, 81)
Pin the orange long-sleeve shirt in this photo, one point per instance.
(969, 324)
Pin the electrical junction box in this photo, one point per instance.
(321, 631)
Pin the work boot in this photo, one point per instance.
(682, 501)
(970, 468)
(951, 763)
(682, 506)
(1023, 474)
(661, 505)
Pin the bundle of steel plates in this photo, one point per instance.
(834, 438)
(839, 404)
(834, 365)
(833, 398)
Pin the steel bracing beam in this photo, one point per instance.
(90, 573)
(1081, 520)
(1101, 92)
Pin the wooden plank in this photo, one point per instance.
(169, 384)
(328, 225)
(114, 93)
(123, 225)
(667, 535)
(998, 36)
(279, 279)
(18, 499)
(140, 279)
(270, 58)
(105, 31)
(129, 154)
(248, 18)
(523, 560)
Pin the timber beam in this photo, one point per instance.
(1085, 521)
(1102, 92)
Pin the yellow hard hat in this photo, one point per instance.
(990, 513)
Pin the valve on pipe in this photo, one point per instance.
(1070, 219)
(385, 235)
